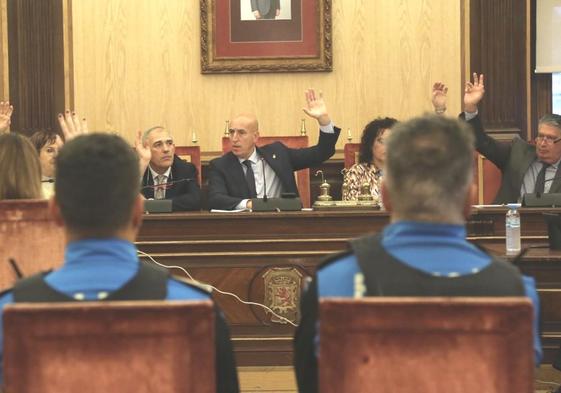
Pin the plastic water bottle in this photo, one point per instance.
(512, 229)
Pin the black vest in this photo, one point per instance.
(149, 283)
(385, 275)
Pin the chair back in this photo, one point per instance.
(126, 347)
(487, 178)
(352, 151)
(191, 154)
(30, 236)
(452, 345)
(294, 142)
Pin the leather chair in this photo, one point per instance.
(30, 236)
(191, 154)
(351, 154)
(435, 345)
(126, 347)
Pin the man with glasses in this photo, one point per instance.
(165, 175)
(525, 168)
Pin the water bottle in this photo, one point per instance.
(512, 229)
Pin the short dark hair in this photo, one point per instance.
(41, 138)
(97, 183)
(429, 167)
(369, 135)
(551, 119)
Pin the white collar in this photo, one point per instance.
(154, 173)
(254, 157)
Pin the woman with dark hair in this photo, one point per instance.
(47, 145)
(372, 155)
(20, 177)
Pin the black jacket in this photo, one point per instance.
(227, 184)
(184, 191)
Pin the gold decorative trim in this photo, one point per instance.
(251, 241)
(248, 253)
(249, 339)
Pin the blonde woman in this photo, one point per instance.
(20, 177)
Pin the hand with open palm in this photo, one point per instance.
(316, 108)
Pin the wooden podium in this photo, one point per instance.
(126, 347)
(402, 345)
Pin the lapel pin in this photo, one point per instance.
(274, 156)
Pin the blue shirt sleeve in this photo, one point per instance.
(5, 299)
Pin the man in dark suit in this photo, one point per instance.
(165, 175)
(525, 168)
(244, 172)
(265, 9)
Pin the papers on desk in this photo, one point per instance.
(228, 211)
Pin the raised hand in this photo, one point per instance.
(316, 108)
(71, 125)
(474, 93)
(5, 115)
(439, 93)
(144, 153)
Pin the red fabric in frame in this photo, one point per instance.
(308, 47)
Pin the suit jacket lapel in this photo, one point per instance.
(147, 190)
(171, 190)
(556, 185)
(527, 159)
(273, 161)
(236, 175)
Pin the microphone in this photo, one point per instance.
(264, 180)
(15, 268)
(167, 185)
(539, 194)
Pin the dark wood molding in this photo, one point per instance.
(541, 95)
(498, 50)
(516, 97)
(36, 63)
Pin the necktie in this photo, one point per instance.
(159, 191)
(540, 180)
(250, 179)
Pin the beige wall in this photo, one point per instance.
(136, 64)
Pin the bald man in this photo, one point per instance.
(240, 175)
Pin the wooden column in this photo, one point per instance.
(502, 46)
(36, 46)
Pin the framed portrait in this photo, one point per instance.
(265, 36)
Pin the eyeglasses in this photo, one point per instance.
(548, 140)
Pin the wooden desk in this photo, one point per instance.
(265, 257)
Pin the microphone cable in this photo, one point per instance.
(213, 288)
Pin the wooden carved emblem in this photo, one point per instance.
(282, 293)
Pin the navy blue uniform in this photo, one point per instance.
(96, 268)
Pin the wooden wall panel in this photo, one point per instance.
(502, 46)
(137, 64)
(4, 76)
(35, 70)
(541, 101)
(498, 50)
